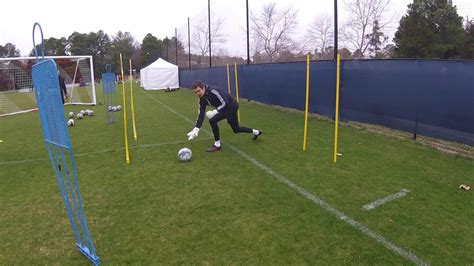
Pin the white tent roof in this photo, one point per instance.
(159, 75)
(160, 63)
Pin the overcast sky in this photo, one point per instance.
(160, 18)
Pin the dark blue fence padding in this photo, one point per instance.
(285, 85)
(446, 101)
(431, 98)
(322, 84)
(379, 92)
(216, 76)
(277, 84)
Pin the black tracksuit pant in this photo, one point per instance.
(231, 115)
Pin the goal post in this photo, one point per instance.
(16, 86)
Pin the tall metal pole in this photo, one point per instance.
(248, 42)
(189, 44)
(176, 41)
(335, 30)
(209, 19)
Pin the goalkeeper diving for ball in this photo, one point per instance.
(225, 108)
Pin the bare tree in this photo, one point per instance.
(272, 30)
(320, 34)
(364, 14)
(200, 39)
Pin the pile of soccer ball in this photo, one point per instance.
(113, 108)
(79, 116)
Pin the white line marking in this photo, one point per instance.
(104, 151)
(386, 199)
(340, 215)
(22, 161)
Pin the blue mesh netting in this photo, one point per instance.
(51, 109)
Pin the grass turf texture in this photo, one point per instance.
(219, 208)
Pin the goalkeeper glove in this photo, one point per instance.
(193, 133)
(211, 114)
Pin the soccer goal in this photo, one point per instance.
(16, 86)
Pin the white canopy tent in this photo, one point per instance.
(159, 75)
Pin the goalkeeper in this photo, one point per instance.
(225, 108)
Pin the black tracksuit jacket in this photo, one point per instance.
(222, 102)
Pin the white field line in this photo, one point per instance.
(318, 201)
(103, 151)
(386, 199)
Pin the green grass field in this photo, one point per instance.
(254, 202)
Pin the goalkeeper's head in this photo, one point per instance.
(199, 88)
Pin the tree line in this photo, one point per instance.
(429, 29)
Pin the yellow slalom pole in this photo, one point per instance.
(336, 119)
(132, 101)
(307, 104)
(127, 155)
(237, 89)
(228, 80)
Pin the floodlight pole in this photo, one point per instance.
(248, 42)
(209, 19)
(189, 44)
(335, 30)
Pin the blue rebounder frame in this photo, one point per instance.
(108, 87)
(58, 145)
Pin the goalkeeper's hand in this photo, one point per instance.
(193, 133)
(211, 114)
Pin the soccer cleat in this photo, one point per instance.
(254, 137)
(213, 148)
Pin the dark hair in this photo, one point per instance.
(198, 83)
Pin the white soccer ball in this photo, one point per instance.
(119, 107)
(185, 154)
(110, 108)
(114, 108)
(70, 122)
(79, 115)
(71, 114)
(90, 112)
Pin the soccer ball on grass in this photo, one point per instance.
(185, 154)
(70, 122)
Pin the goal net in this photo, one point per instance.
(16, 86)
